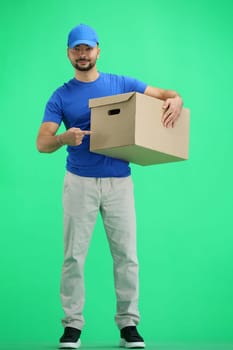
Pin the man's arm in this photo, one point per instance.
(171, 107)
(48, 142)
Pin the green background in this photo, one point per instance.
(184, 210)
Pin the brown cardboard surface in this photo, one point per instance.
(128, 126)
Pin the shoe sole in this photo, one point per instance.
(132, 345)
(70, 345)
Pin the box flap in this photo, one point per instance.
(108, 100)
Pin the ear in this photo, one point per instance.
(98, 53)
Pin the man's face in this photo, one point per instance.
(83, 57)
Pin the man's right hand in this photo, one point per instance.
(73, 136)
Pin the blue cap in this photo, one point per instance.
(82, 34)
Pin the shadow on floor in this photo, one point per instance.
(104, 346)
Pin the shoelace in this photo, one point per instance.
(132, 331)
(70, 331)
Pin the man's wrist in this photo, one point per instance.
(179, 98)
(59, 140)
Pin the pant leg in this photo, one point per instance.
(81, 202)
(118, 212)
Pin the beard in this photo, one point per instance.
(85, 68)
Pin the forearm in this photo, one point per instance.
(169, 94)
(161, 94)
(49, 143)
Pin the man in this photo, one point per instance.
(96, 183)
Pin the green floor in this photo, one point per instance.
(104, 346)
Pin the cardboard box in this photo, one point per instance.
(128, 126)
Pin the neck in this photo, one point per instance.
(88, 76)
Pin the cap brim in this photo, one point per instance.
(82, 42)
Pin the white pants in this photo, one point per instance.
(83, 197)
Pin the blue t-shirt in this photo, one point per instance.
(69, 104)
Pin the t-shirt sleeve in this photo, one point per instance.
(53, 109)
(132, 84)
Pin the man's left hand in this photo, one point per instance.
(171, 111)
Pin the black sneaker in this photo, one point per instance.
(70, 338)
(131, 339)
